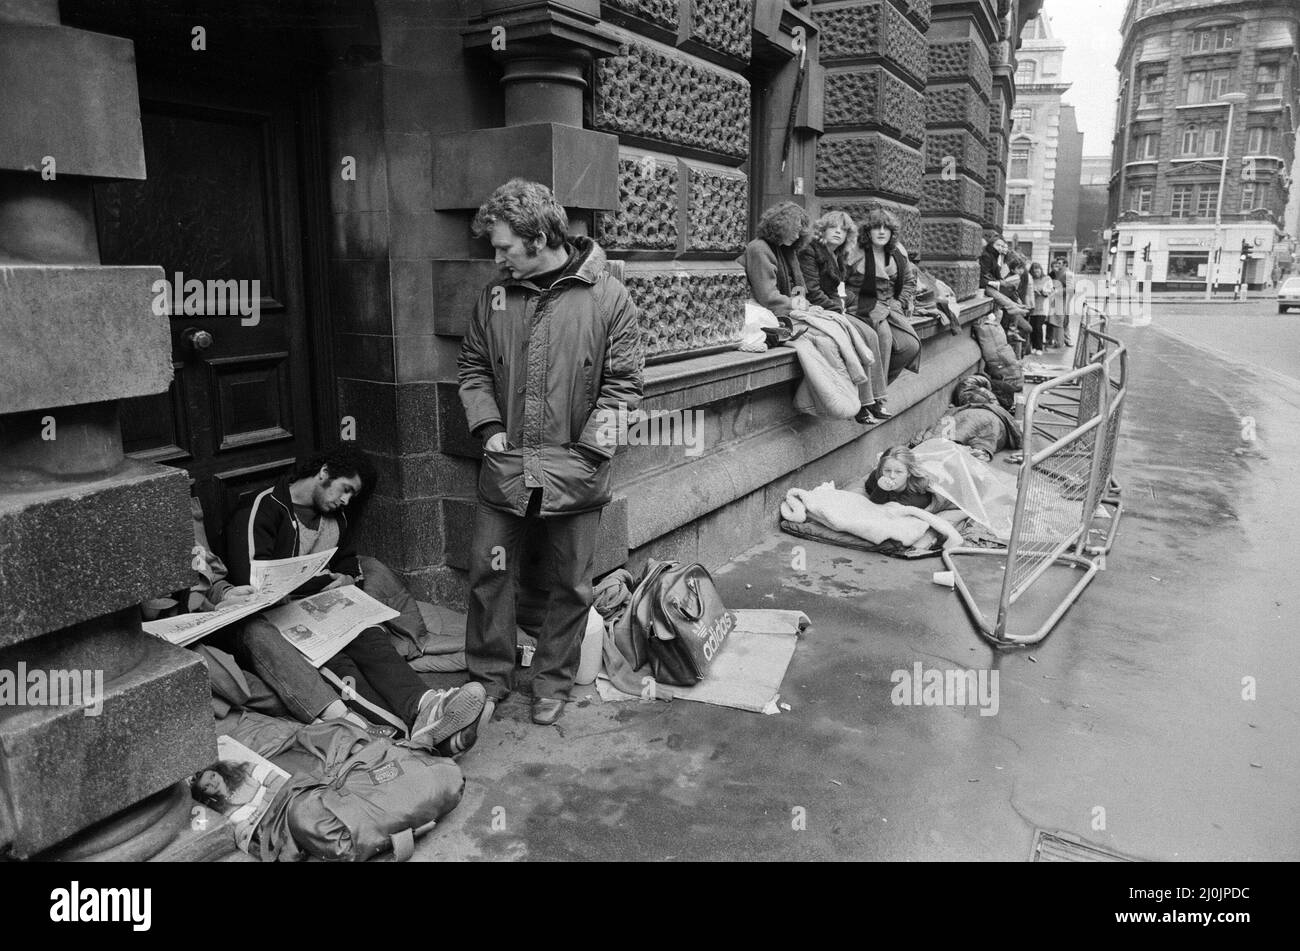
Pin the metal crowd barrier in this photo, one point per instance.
(1071, 429)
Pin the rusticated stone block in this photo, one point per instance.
(944, 147)
(647, 207)
(995, 182)
(868, 163)
(909, 219)
(75, 335)
(873, 29)
(952, 237)
(962, 276)
(919, 11)
(997, 144)
(860, 96)
(64, 770)
(685, 310)
(723, 25)
(956, 105)
(952, 196)
(661, 12)
(671, 98)
(717, 210)
(72, 551)
(961, 61)
(994, 211)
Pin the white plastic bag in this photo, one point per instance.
(756, 318)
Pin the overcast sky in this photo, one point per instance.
(1090, 31)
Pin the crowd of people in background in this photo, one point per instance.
(1035, 303)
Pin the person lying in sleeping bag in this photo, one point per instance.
(898, 477)
(858, 515)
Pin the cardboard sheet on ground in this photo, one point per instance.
(747, 673)
(975, 487)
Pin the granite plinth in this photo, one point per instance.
(75, 335)
(74, 551)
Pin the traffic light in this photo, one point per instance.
(1114, 241)
(1245, 250)
(1146, 252)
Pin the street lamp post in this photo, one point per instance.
(1212, 266)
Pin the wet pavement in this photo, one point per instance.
(1126, 727)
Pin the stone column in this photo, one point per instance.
(874, 53)
(86, 533)
(958, 100)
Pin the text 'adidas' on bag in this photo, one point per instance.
(684, 621)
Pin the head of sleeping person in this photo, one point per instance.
(974, 390)
(897, 471)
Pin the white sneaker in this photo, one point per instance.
(444, 713)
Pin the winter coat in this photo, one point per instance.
(993, 269)
(773, 274)
(825, 389)
(823, 273)
(871, 308)
(541, 366)
(268, 530)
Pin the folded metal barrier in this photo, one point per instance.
(1061, 481)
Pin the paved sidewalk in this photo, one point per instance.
(1127, 726)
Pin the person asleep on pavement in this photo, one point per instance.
(858, 515)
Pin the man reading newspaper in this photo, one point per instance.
(306, 513)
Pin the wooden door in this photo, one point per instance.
(221, 203)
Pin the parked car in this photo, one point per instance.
(1288, 295)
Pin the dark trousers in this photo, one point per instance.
(379, 675)
(495, 555)
(1039, 322)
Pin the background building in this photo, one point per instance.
(1065, 192)
(335, 151)
(1037, 140)
(1197, 175)
(1094, 199)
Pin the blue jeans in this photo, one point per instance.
(259, 647)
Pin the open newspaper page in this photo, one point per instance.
(322, 625)
(274, 580)
(240, 785)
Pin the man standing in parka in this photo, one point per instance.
(553, 351)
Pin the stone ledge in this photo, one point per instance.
(658, 505)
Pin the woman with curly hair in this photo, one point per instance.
(770, 259)
(825, 262)
(888, 287)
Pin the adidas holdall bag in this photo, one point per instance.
(684, 621)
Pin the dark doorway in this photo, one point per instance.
(232, 195)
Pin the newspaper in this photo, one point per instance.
(273, 580)
(325, 623)
(241, 786)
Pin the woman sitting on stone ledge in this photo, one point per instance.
(771, 262)
(825, 263)
(887, 285)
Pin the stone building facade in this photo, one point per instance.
(1188, 186)
(328, 158)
